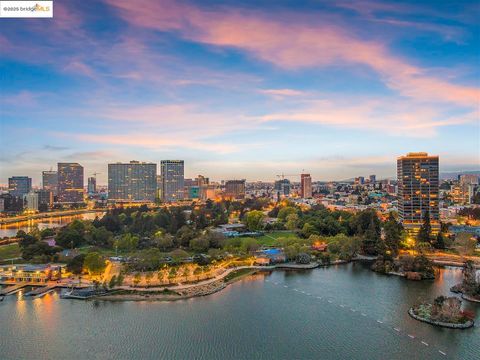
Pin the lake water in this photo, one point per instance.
(341, 312)
(53, 222)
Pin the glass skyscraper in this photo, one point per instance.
(19, 186)
(50, 181)
(133, 181)
(172, 172)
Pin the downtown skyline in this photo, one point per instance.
(246, 91)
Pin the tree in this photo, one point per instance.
(100, 237)
(199, 244)
(75, 265)
(465, 243)
(184, 235)
(425, 233)
(254, 220)
(164, 241)
(148, 278)
(113, 282)
(137, 278)
(393, 232)
(94, 263)
(308, 230)
(292, 222)
(69, 237)
(372, 243)
(127, 242)
(439, 241)
(285, 211)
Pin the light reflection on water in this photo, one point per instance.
(12, 229)
(253, 318)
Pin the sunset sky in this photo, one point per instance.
(337, 88)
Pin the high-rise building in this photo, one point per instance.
(306, 186)
(45, 199)
(92, 185)
(172, 172)
(418, 189)
(70, 183)
(133, 181)
(19, 186)
(372, 179)
(282, 187)
(31, 201)
(235, 189)
(50, 181)
(463, 191)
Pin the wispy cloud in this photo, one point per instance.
(303, 44)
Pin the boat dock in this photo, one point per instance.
(40, 291)
(12, 289)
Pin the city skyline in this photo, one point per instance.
(248, 91)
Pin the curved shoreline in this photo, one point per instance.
(196, 290)
(466, 325)
(458, 289)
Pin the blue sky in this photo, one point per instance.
(337, 89)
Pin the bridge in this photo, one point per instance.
(46, 215)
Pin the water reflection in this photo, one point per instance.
(53, 222)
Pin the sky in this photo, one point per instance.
(241, 89)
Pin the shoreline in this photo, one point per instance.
(463, 326)
(145, 294)
(218, 285)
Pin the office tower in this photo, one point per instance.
(45, 199)
(373, 179)
(417, 176)
(172, 172)
(92, 185)
(133, 181)
(31, 201)
(306, 186)
(282, 187)
(70, 183)
(235, 189)
(19, 185)
(50, 181)
(10, 203)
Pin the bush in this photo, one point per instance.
(303, 258)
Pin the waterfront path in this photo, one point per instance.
(222, 276)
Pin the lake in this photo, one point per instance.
(340, 312)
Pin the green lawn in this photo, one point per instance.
(269, 239)
(9, 251)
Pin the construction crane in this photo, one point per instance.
(282, 175)
(95, 174)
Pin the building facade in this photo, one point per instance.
(19, 186)
(133, 181)
(92, 185)
(418, 191)
(50, 181)
(172, 172)
(235, 189)
(282, 187)
(70, 183)
(305, 186)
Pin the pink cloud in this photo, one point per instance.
(292, 42)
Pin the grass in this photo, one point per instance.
(270, 239)
(238, 274)
(10, 251)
